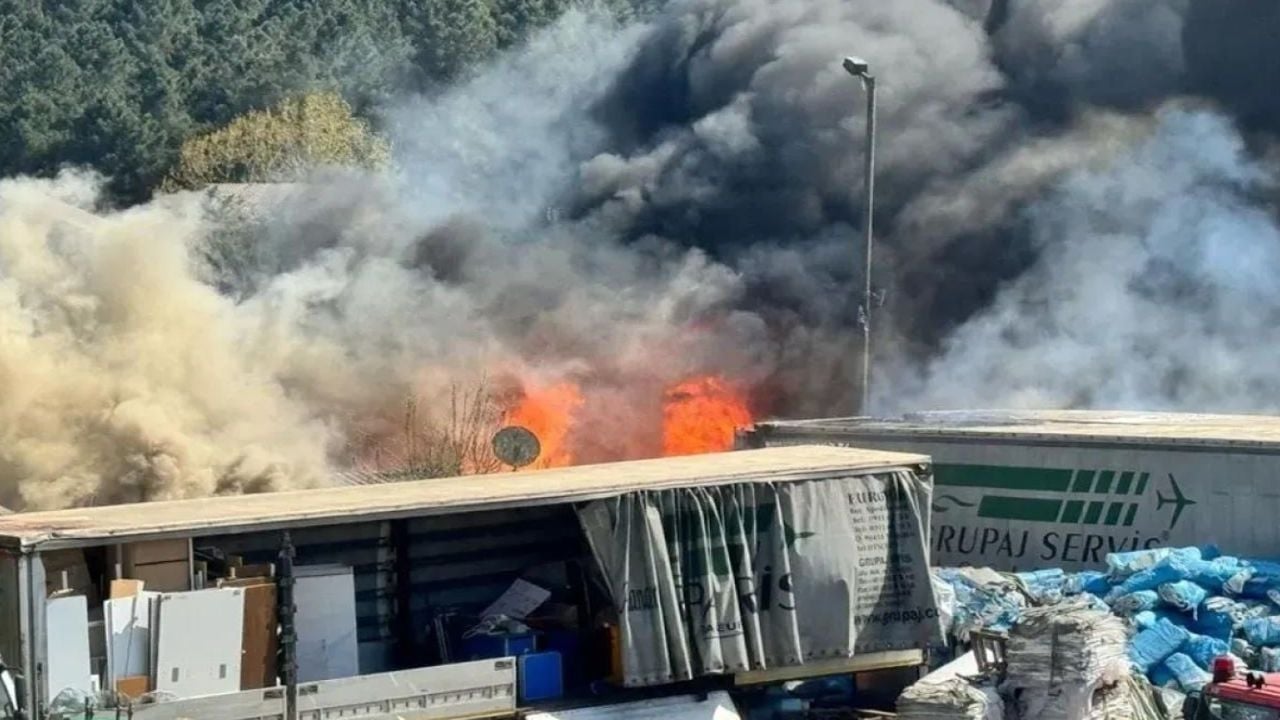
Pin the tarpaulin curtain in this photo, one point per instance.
(762, 575)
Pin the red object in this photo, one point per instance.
(1224, 668)
(1237, 690)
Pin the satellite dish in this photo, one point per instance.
(516, 446)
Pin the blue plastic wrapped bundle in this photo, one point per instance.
(1136, 602)
(1269, 659)
(1246, 652)
(1266, 576)
(1190, 677)
(1255, 609)
(1218, 617)
(1183, 595)
(1171, 569)
(1087, 581)
(1210, 552)
(1043, 586)
(1162, 676)
(1151, 646)
(1124, 564)
(1148, 618)
(1263, 632)
(1225, 574)
(1203, 649)
(983, 600)
(1095, 602)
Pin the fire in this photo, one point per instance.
(697, 415)
(548, 413)
(700, 416)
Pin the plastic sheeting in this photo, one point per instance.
(1269, 659)
(1203, 649)
(1088, 581)
(1153, 645)
(1124, 564)
(985, 600)
(848, 562)
(953, 699)
(1263, 632)
(1136, 602)
(1225, 574)
(1183, 595)
(1218, 617)
(1190, 677)
(1043, 586)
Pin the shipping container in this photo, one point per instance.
(729, 572)
(1028, 490)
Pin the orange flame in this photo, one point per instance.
(548, 413)
(700, 416)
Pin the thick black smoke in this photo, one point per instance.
(735, 130)
(1073, 209)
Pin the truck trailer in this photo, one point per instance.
(484, 596)
(1040, 489)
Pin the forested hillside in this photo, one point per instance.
(120, 84)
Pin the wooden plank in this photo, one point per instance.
(165, 577)
(133, 687)
(264, 570)
(159, 551)
(125, 588)
(258, 666)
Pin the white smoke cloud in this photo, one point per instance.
(1154, 287)
(123, 376)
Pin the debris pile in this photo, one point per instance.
(1181, 607)
(956, 698)
(1060, 656)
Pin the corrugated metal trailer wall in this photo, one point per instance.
(406, 571)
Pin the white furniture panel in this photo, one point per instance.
(325, 596)
(67, 630)
(198, 646)
(128, 631)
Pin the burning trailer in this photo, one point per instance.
(696, 587)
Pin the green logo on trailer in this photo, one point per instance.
(1051, 495)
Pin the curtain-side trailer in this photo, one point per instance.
(482, 596)
(1027, 490)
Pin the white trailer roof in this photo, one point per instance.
(208, 516)
(1074, 426)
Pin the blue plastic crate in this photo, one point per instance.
(484, 647)
(541, 677)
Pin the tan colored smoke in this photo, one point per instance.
(122, 376)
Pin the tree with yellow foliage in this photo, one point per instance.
(280, 144)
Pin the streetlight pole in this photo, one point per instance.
(860, 69)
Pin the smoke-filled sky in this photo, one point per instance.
(1074, 209)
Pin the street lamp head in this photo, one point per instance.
(857, 67)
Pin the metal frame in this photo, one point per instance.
(867, 662)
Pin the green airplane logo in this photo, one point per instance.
(1179, 501)
(1055, 495)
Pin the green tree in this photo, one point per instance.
(449, 36)
(280, 144)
